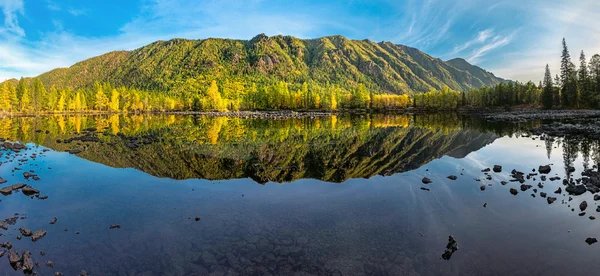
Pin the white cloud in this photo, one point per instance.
(10, 9)
(53, 6)
(495, 43)
(76, 12)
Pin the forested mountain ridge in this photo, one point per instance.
(335, 60)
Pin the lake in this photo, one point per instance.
(333, 195)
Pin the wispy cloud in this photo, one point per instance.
(53, 6)
(76, 12)
(10, 10)
(495, 43)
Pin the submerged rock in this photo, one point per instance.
(482, 187)
(37, 235)
(426, 180)
(591, 241)
(576, 189)
(451, 247)
(583, 206)
(25, 232)
(425, 189)
(514, 191)
(550, 199)
(115, 226)
(452, 177)
(545, 169)
(53, 221)
(497, 168)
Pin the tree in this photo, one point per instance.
(213, 97)
(114, 100)
(548, 92)
(585, 93)
(595, 79)
(565, 64)
(62, 101)
(38, 95)
(101, 99)
(52, 99)
(25, 96)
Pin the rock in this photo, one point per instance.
(37, 235)
(8, 190)
(425, 189)
(576, 189)
(540, 185)
(53, 221)
(544, 169)
(485, 205)
(550, 199)
(74, 151)
(115, 226)
(583, 205)
(497, 168)
(591, 241)
(49, 264)
(29, 191)
(486, 170)
(503, 182)
(197, 219)
(58, 274)
(25, 232)
(451, 247)
(514, 191)
(482, 187)
(542, 194)
(592, 218)
(43, 197)
(452, 177)
(525, 187)
(2, 252)
(27, 262)
(28, 175)
(596, 197)
(426, 180)
(13, 257)
(582, 214)
(558, 191)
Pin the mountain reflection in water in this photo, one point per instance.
(332, 149)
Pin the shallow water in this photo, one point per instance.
(325, 196)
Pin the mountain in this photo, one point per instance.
(170, 65)
(474, 70)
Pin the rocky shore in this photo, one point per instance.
(533, 114)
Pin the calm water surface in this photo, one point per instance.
(325, 196)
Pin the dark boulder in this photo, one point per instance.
(544, 169)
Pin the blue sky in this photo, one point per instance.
(512, 38)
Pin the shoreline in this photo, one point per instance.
(493, 115)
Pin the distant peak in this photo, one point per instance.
(259, 37)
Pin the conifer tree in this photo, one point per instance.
(548, 92)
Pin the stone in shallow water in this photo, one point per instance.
(550, 199)
(544, 169)
(451, 247)
(497, 168)
(426, 180)
(452, 177)
(591, 241)
(37, 235)
(514, 191)
(583, 205)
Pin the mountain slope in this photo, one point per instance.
(169, 65)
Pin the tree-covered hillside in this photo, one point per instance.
(176, 64)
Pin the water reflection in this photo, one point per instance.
(332, 149)
(383, 225)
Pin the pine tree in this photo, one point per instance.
(565, 64)
(585, 93)
(548, 92)
(595, 79)
(38, 95)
